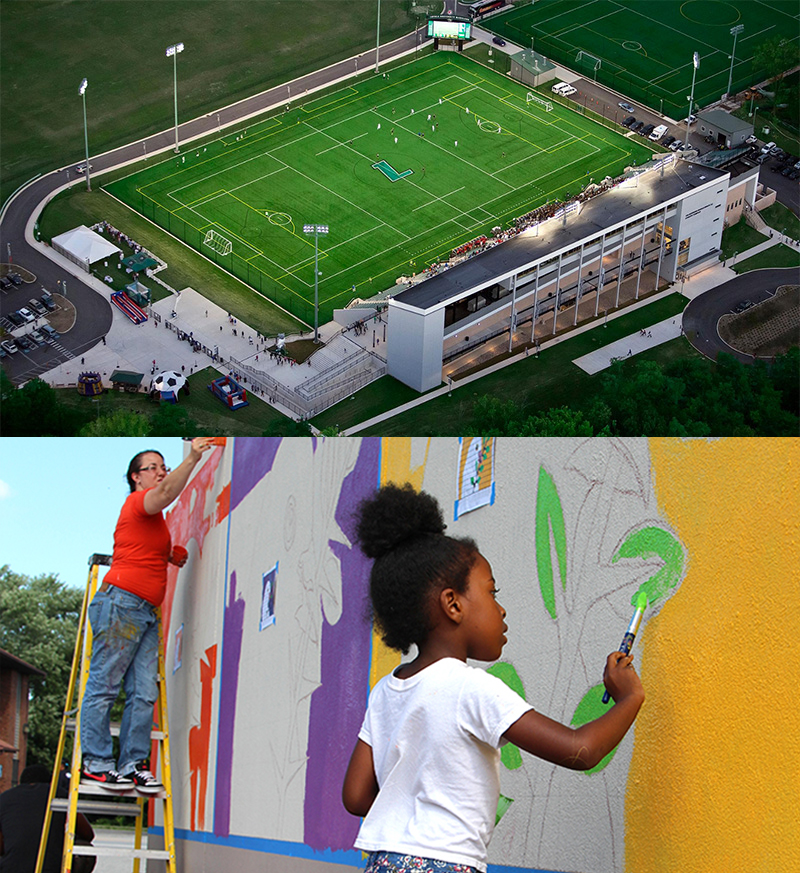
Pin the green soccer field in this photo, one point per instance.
(395, 193)
(645, 49)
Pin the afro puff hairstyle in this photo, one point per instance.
(403, 531)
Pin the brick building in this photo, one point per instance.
(14, 678)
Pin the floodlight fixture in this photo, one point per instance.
(82, 92)
(696, 66)
(316, 229)
(172, 52)
(735, 31)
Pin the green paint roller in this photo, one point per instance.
(633, 629)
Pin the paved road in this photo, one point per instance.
(93, 310)
(701, 316)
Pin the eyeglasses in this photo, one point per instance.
(152, 468)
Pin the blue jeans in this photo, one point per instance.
(124, 653)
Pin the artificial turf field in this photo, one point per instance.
(391, 207)
(645, 49)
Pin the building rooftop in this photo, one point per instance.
(724, 121)
(631, 198)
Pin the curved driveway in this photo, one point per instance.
(93, 310)
(702, 315)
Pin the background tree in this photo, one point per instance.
(38, 623)
(35, 410)
(121, 422)
(776, 57)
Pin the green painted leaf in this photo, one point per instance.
(510, 755)
(503, 804)
(549, 522)
(654, 542)
(590, 708)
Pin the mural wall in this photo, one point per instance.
(272, 656)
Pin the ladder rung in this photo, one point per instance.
(102, 560)
(97, 807)
(87, 788)
(155, 734)
(124, 851)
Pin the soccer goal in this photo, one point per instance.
(218, 243)
(591, 59)
(545, 104)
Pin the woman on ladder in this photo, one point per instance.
(125, 625)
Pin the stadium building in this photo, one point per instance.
(647, 229)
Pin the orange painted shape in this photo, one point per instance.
(224, 503)
(714, 782)
(199, 741)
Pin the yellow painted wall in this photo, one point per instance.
(714, 783)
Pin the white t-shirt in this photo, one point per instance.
(435, 742)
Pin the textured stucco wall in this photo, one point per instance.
(263, 716)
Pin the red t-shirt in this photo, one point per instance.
(142, 546)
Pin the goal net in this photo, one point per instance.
(545, 104)
(218, 243)
(593, 61)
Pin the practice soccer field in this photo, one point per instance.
(645, 49)
(401, 168)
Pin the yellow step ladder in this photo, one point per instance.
(125, 803)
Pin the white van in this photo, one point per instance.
(659, 132)
(559, 87)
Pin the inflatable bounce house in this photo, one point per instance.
(90, 384)
(228, 391)
(271, 656)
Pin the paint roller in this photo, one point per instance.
(633, 629)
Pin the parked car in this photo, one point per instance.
(36, 306)
(81, 168)
(498, 40)
(674, 146)
(627, 122)
(646, 130)
(690, 120)
(26, 314)
(667, 141)
(37, 337)
(626, 106)
(15, 278)
(16, 319)
(658, 132)
(49, 331)
(10, 346)
(751, 140)
(767, 148)
(6, 283)
(48, 302)
(24, 343)
(635, 128)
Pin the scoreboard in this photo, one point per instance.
(450, 28)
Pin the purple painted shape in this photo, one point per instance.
(338, 705)
(253, 459)
(228, 684)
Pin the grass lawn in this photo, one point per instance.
(401, 168)
(782, 218)
(202, 407)
(777, 256)
(187, 269)
(233, 50)
(535, 384)
(645, 50)
(739, 237)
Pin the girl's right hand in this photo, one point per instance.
(620, 678)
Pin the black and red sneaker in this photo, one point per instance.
(108, 779)
(143, 779)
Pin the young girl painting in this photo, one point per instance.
(425, 769)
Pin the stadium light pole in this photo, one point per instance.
(378, 39)
(735, 31)
(82, 92)
(316, 229)
(696, 66)
(172, 52)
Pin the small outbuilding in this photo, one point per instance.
(126, 380)
(725, 129)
